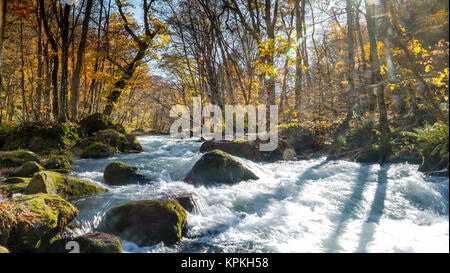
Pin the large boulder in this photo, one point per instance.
(250, 149)
(27, 170)
(98, 242)
(119, 173)
(17, 158)
(98, 122)
(29, 222)
(146, 222)
(14, 184)
(218, 167)
(63, 185)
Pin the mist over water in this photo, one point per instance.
(296, 206)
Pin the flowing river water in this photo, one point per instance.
(310, 205)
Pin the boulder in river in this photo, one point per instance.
(27, 170)
(188, 201)
(98, 242)
(63, 185)
(29, 222)
(56, 162)
(218, 167)
(250, 149)
(146, 222)
(119, 173)
(17, 158)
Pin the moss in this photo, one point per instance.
(14, 184)
(51, 214)
(3, 249)
(147, 222)
(96, 123)
(17, 158)
(97, 242)
(96, 150)
(65, 186)
(57, 162)
(27, 170)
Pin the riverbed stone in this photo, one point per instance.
(188, 201)
(119, 173)
(17, 158)
(98, 242)
(56, 162)
(34, 221)
(27, 170)
(63, 185)
(146, 222)
(97, 150)
(218, 167)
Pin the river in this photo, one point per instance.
(310, 205)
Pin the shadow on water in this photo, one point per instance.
(376, 210)
(331, 243)
(259, 203)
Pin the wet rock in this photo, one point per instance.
(188, 201)
(63, 185)
(27, 170)
(297, 137)
(218, 167)
(119, 173)
(146, 222)
(98, 122)
(41, 218)
(98, 242)
(17, 158)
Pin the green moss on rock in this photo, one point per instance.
(14, 184)
(57, 162)
(97, 150)
(49, 215)
(63, 185)
(27, 170)
(17, 158)
(146, 222)
(3, 249)
(98, 242)
(96, 123)
(218, 167)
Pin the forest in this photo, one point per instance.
(364, 80)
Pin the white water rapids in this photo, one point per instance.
(296, 206)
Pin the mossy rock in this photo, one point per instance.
(97, 150)
(96, 123)
(27, 170)
(63, 185)
(115, 141)
(14, 184)
(131, 145)
(47, 216)
(98, 242)
(218, 167)
(17, 158)
(3, 250)
(42, 137)
(146, 222)
(119, 173)
(57, 162)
